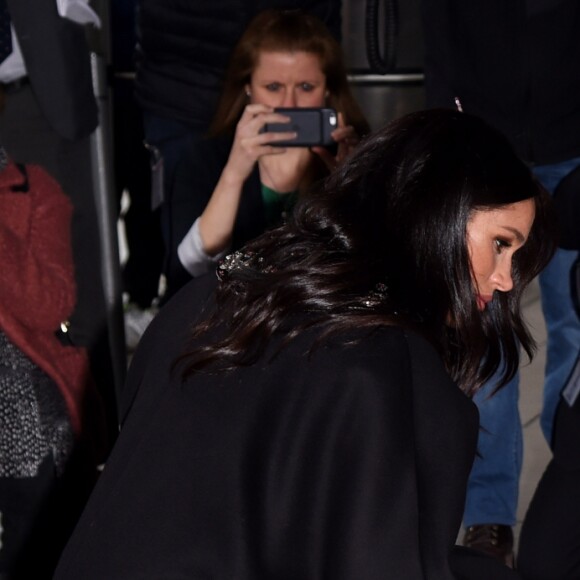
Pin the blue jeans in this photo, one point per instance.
(492, 491)
(562, 322)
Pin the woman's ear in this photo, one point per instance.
(248, 91)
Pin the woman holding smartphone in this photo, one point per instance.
(284, 59)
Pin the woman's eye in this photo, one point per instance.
(501, 244)
(307, 87)
(273, 87)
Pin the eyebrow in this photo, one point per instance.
(520, 237)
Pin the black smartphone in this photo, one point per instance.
(313, 126)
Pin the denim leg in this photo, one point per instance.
(562, 322)
(492, 490)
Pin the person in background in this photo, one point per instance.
(142, 270)
(48, 114)
(514, 64)
(51, 418)
(549, 541)
(182, 54)
(284, 59)
(309, 417)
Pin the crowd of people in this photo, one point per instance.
(302, 403)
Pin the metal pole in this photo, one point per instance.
(103, 181)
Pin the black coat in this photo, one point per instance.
(198, 173)
(350, 463)
(56, 56)
(567, 205)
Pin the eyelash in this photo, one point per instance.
(501, 244)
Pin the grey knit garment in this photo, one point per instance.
(34, 420)
(3, 158)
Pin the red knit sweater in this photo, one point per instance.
(37, 288)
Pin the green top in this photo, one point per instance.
(276, 205)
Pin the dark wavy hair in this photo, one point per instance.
(394, 214)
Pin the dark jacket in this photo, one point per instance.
(185, 45)
(350, 463)
(56, 55)
(195, 180)
(513, 64)
(567, 205)
(198, 175)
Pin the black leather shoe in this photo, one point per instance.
(496, 540)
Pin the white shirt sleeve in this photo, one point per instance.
(78, 11)
(13, 67)
(192, 254)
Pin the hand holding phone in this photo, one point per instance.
(313, 126)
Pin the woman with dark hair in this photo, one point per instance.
(311, 420)
(285, 58)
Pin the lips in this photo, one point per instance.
(482, 300)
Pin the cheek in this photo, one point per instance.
(482, 263)
(261, 96)
(484, 274)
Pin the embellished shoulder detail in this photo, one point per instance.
(237, 261)
(241, 260)
(377, 296)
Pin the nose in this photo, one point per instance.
(502, 277)
(289, 99)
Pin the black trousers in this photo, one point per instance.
(142, 271)
(39, 514)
